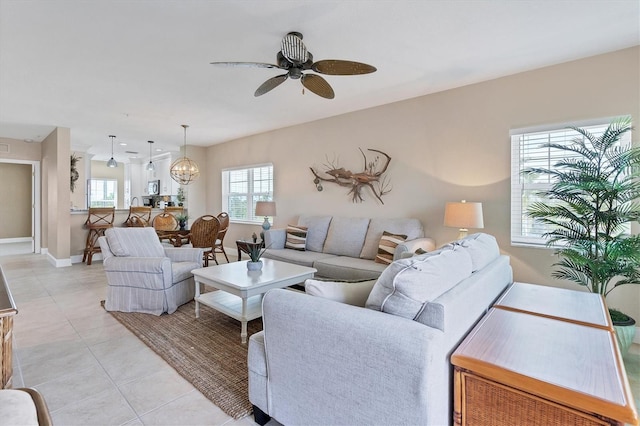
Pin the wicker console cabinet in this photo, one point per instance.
(7, 311)
(525, 364)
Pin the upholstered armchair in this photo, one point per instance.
(143, 275)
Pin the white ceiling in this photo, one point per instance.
(140, 69)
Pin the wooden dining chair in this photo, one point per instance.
(99, 219)
(138, 216)
(223, 218)
(203, 234)
(165, 222)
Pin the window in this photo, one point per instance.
(527, 151)
(242, 188)
(103, 192)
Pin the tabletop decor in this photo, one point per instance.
(370, 177)
(182, 220)
(255, 252)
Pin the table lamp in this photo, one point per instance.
(266, 209)
(463, 215)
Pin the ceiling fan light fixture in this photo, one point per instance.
(184, 170)
(112, 162)
(150, 167)
(294, 58)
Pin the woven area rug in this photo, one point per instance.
(206, 351)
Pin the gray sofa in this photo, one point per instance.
(345, 247)
(319, 361)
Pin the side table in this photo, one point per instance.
(244, 246)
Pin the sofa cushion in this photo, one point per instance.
(387, 247)
(483, 249)
(346, 236)
(351, 292)
(410, 227)
(134, 242)
(296, 237)
(304, 258)
(407, 285)
(348, 268)
(317, 228)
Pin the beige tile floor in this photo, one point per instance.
(92, 370)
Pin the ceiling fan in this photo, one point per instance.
(295, 58)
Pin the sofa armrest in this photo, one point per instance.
(426, 244)
(354, 357)
(275, 238)
(184, 254)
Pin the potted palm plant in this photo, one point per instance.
(594, 197)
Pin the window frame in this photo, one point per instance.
(252, 195)
(517, 207)
(105, 182)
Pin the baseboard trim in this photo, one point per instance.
(58, 263)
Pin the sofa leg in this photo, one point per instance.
(260, 416)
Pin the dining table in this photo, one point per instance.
(175, 237)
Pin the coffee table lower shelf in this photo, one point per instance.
(231, 305)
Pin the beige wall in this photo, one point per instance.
(446, 146)
(15, 200)
(56, 195)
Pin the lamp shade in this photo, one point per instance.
(463, 215)
(265, 208)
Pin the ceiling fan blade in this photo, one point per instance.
(339, 67)
(294, 49)
(317, 85)
(245, 64)
(271, 84)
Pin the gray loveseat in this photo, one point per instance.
(345, 247)
(319, 361)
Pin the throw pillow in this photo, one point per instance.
(387, 247)
(354, 292)
(296, 237)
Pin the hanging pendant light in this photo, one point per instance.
(151, 167)
(112, 162)
(184, 170)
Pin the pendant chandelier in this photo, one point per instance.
(184, 170)
(151, 167)
(112, 162)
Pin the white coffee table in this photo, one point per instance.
(242, 290)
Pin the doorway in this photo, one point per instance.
(19, 207)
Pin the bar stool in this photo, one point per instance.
(100, 219)
(174, 210)
(138, 216)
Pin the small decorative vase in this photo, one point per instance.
(254, 266)
(182, 224)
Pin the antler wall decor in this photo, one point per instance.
(370, 177)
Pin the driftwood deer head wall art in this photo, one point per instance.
(370, 177)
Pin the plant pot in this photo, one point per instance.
(625, 331)
(254, 266)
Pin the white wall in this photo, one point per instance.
(446, 146)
